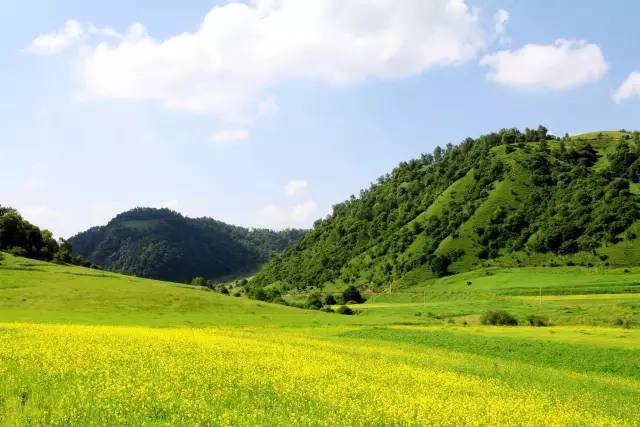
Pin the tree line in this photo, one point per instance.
(21, 238)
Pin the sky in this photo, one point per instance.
(266, 113)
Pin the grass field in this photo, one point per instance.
(84, 347)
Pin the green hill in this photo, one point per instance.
(37, 291)
(162, 244)
(506, 199)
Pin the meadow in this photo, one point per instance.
(85, 347)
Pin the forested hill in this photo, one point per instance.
(506, 198)
(162, 244)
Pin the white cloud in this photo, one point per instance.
(268, 107)
(228, 136)
(500, 21)
(240, 50)
(296, 187)
(628, 89)
(56, 42)
(561, 65)
(279, 216)
(135, 32)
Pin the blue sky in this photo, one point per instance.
(267, 113)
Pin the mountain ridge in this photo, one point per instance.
(508, 197)
(163, 244)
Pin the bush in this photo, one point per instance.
(258, 293)
(352, 294)
(498, 317)
(625, 323)
(330, 300)
(343, 309)
(314, 302)
(17, 251)
(198, 281)
(537, 320)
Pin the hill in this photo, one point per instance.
(162, 244)
(38, 291)
(508, 198)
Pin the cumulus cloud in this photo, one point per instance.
(558, 66)
(240, 50)
(56, 42)
(229, 136)
(279, 216)
(298, 214)
(628, 89)
(500, 21)
(296, 187)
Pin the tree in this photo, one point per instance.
(437, 154)
(353, 294)
(440, 265)
(50, 247)
(198, 281)
(64, 252)
(258, 293)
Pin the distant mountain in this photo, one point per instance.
(508, 198)
(162, 244)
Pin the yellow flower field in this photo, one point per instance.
(99, 375)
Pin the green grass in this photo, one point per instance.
(163, 353)
(38, 291)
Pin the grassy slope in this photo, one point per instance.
(38, 291)
(588, 373)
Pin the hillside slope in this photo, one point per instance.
(162, 244)
(509, 198)
(37, 291)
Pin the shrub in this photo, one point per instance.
(314, 302)
(258, 293)
(352, 294)
(343, 309)
(498, 317)
(198, 281)
(17, 251)
(330, 300)
(625, 323)
(537, 320)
